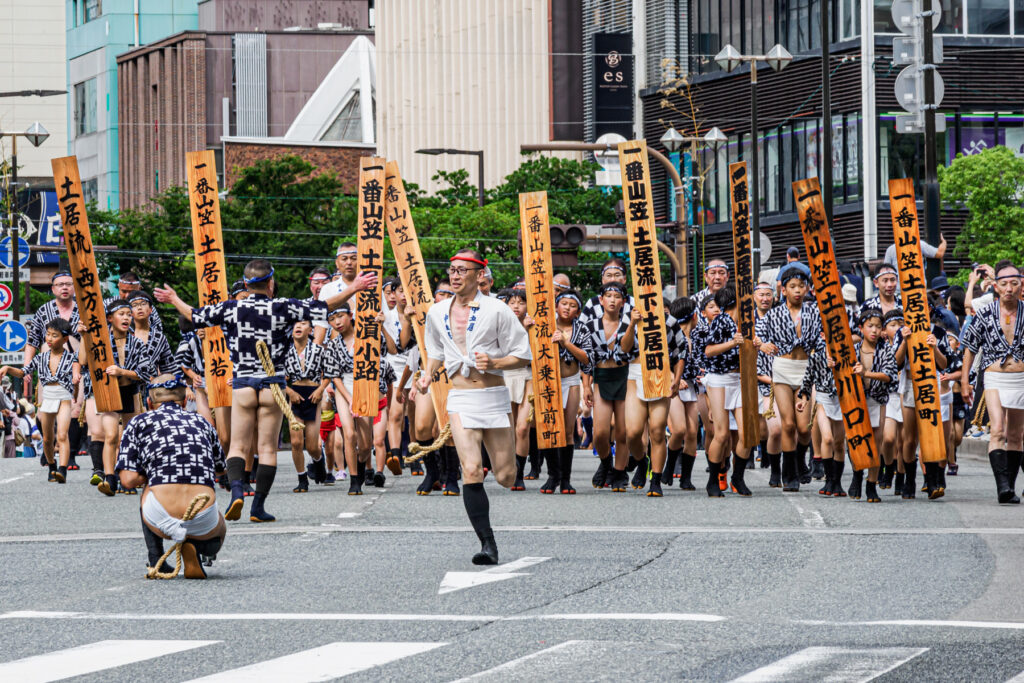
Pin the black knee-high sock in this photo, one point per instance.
(96, 455)
(671, 458)
(535, 456)
(236, 470)
(588, 428)
(801, 452)
(154, 544)
(485, 458)
(478, 508)
(565, 462)
(265, 478)
(765, 460)
(520, 466)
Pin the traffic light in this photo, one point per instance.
(565, 241)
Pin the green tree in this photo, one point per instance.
(990, 185)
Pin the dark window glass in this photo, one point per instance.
(988, 17)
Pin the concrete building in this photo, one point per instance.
(255, 80)
(98, 31)
(32, 58)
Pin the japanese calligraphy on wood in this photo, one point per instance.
(82, 260)
(540, 305)
(906, 233)
(745, 300)
(860, 439)
(211, 275)
(646, 271)
(370, 245)
(413, 274)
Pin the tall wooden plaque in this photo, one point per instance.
(745, 301)
(370, 245)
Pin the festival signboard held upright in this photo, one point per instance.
(860, 439)
(745, 300)
(211, 275)
(540, 306)
(413, 273)
(82, 260)
(914, 292)
(645, 269)
(370, 259)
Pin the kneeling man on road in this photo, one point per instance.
(177, 457)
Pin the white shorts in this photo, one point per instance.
(831, 406)
(946, 405)
(53, 394)
(789, 371)
(176, 529)
(875, 413)
(636, 375)
(1010, 386)
(516, 381)
(688, 395)
(488, 408)
(894, 408)
(731, 383)
(567, 384)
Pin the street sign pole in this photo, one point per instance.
(931, 181)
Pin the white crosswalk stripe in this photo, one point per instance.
(321, 663)
(834, 664)
(85, 659)
(1019, 678)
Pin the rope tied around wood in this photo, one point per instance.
(282, 402)
(194, 508)
(418, 452)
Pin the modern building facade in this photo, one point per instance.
(983, 106)
(98, 31)
(255, 80)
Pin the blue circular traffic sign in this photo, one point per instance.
(13, 336)
(5, 252)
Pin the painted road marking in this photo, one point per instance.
(20, 476)
(328, 616)
(321, 663)
(456, 581)
(834, 664)
(98, 656)
(515, 667)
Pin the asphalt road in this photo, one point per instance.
(598, 586)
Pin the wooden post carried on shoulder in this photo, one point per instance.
(645, 270)
(370, 245)
(860, 439)
(914, 293)
(739, 191)
(540, 305)
(211, 275)
(413, 273)
(77, 238)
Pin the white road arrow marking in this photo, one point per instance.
(455, 581)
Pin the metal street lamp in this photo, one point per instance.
(730, 59)
(435, 151)
(36, 134)
(673, 141)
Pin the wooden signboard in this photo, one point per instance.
(860, 438)
(211, 275)
(413, 274)
(540, 305)
(370, 245)
(82, 260)
(914, 291)
(645, 269)
(739, 191)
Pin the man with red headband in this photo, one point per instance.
(477, 337)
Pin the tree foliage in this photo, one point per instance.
(990, 185)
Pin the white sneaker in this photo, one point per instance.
(341, 475)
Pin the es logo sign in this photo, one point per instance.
(613, 60)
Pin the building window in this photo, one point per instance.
(93, 10)
(90, 190)
(348, 125)
(85, 107)
(902, 155)
(848, 21)
(988, 17)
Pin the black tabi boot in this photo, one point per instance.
(303, 486)
(618, 480)
(871, 493)
(604, 468)
(551, 458)
(714, 490)
(1014, 462)
(803, 471)
(108, 486)
(686, 462)
(1000, 469)
(235, 471)
(96, 456)
(317, 470)
(790, 472)
(826, 489)
(534, 458)
(775, 477)
(932, 473)
(154, 548)
(519, 485)
(640, 474)
(817, 469)
(739, 468)
(264, 481)
(565, 469)
(856, 484)
(654, 491)
(763, 450)
(885, 475)
(837, 478)
(671, 458)
(897, 484)
(478, 509)
(909, 480)
(394, 461)
(451, 482)
(62, 474)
